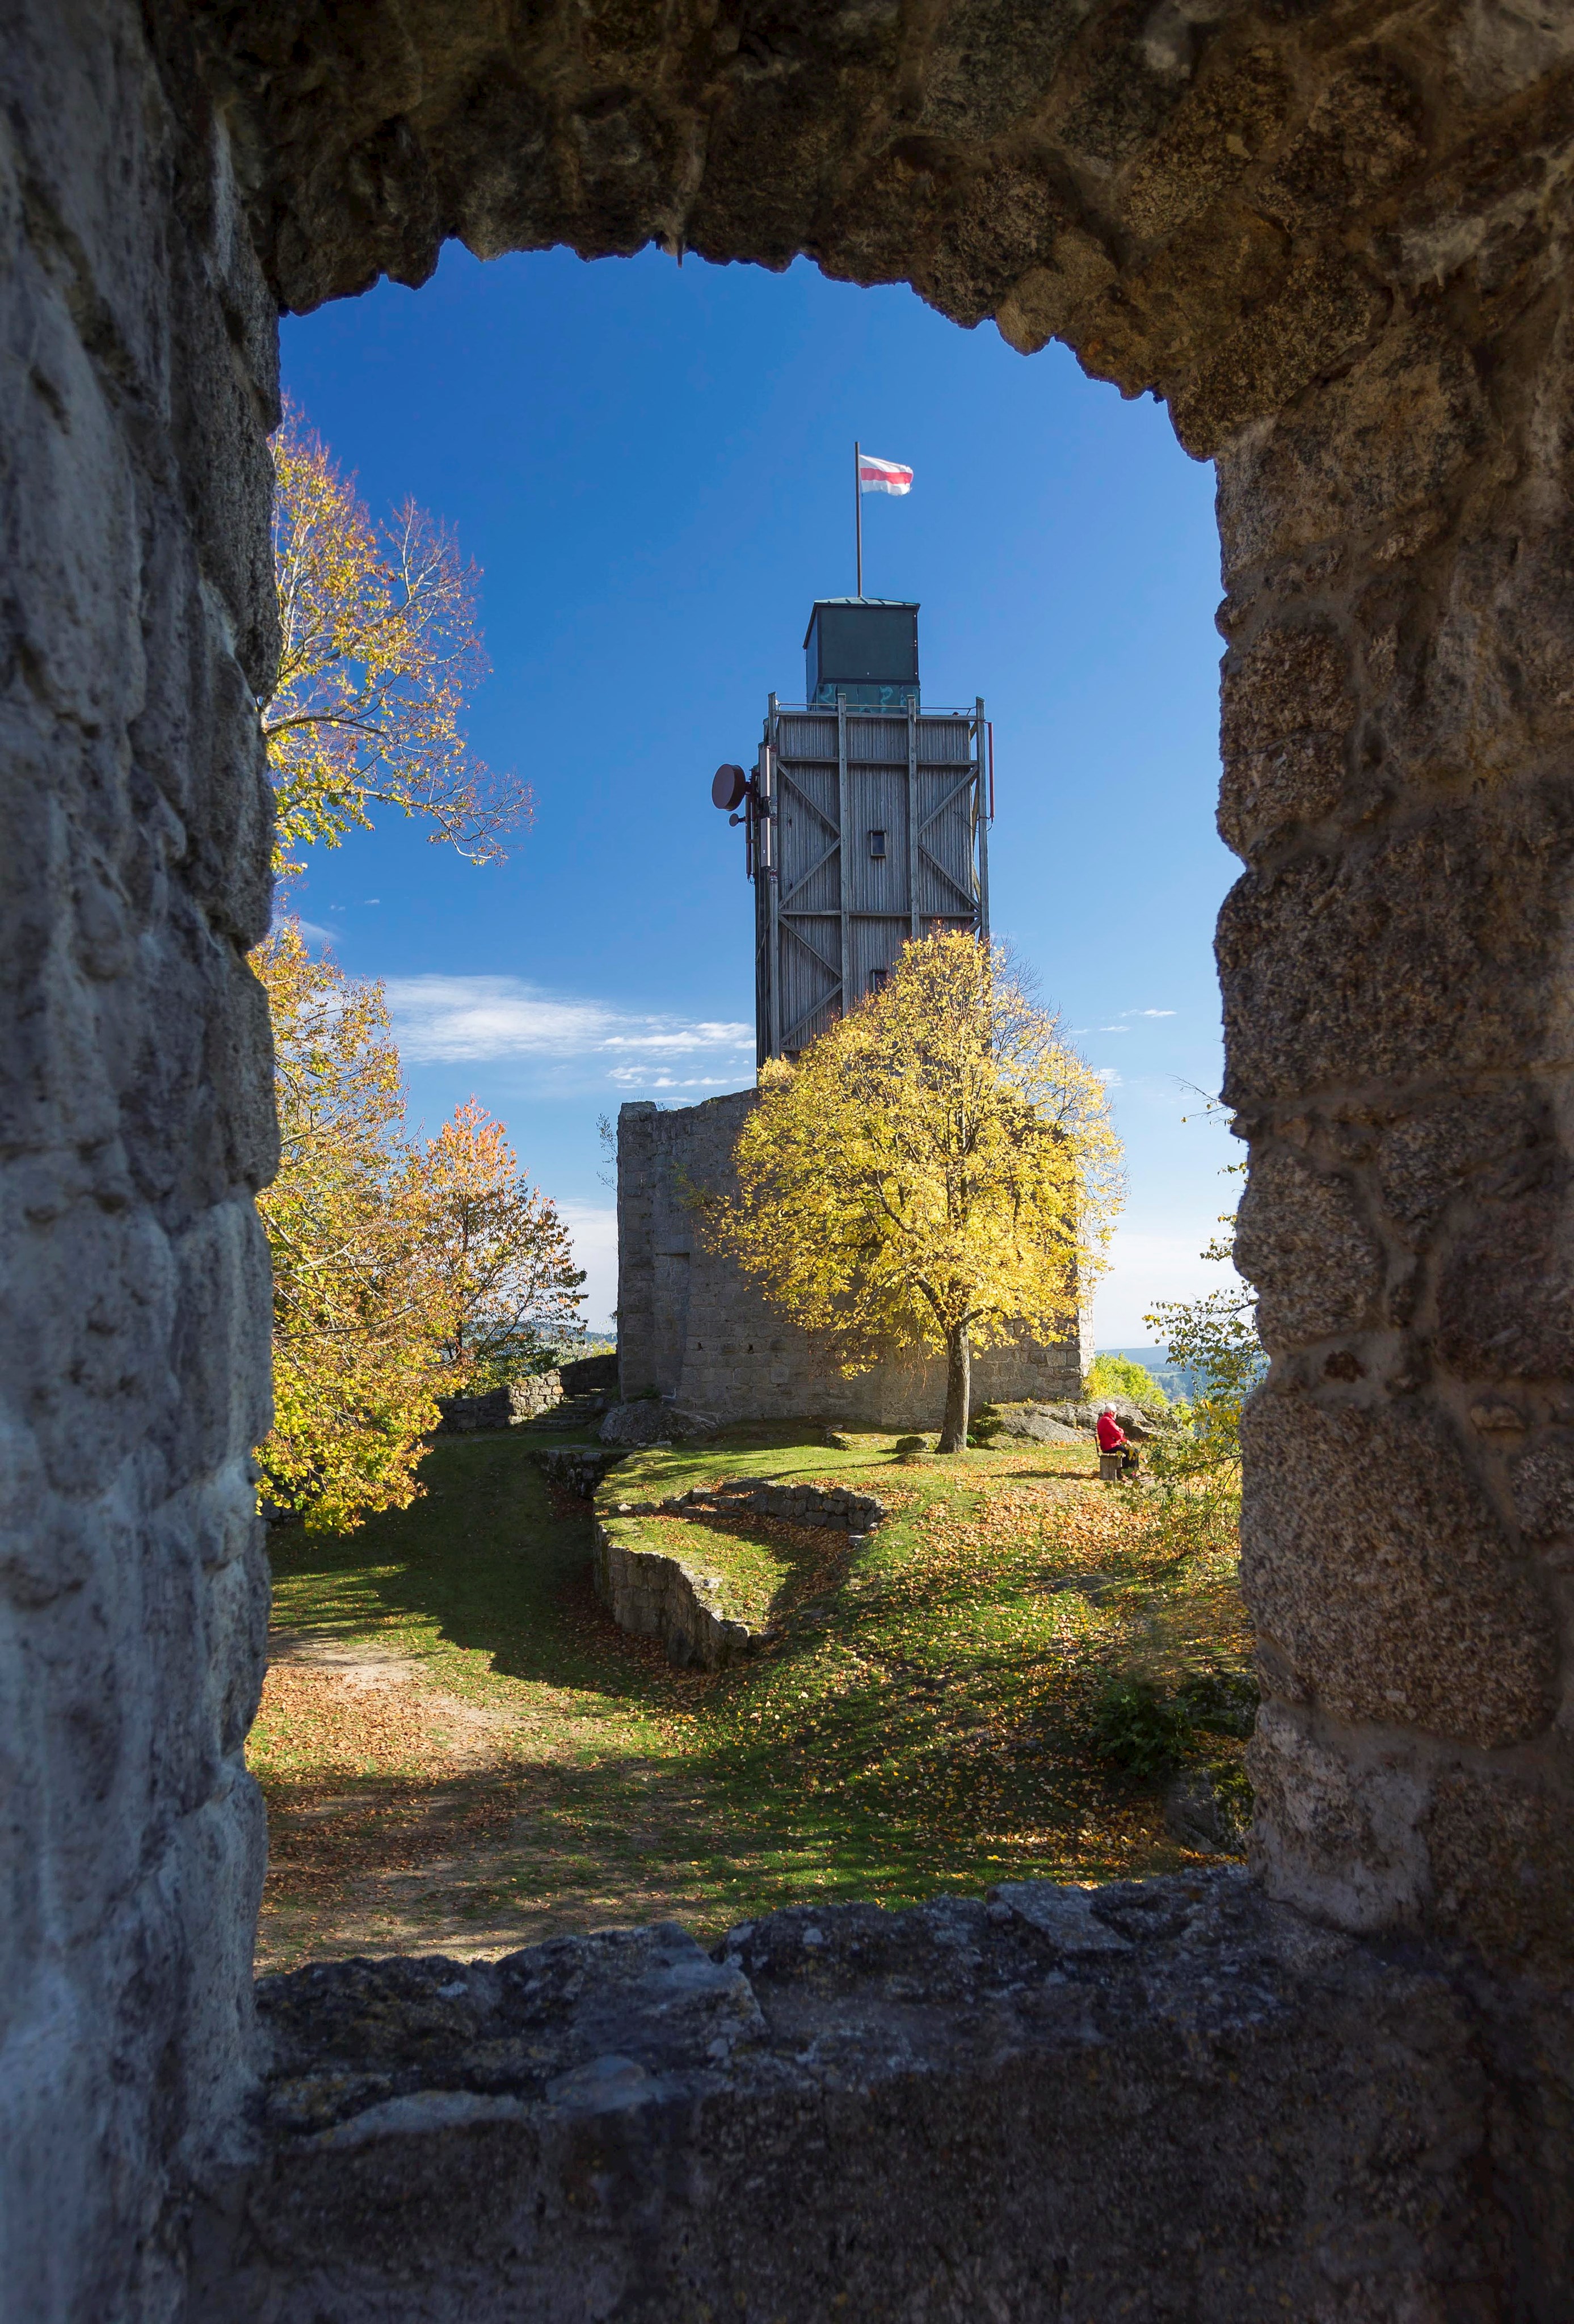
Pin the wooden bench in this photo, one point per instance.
(1112, 1466)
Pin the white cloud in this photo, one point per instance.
(1145, 1268)
(1146, 1012)
(444, 1019)
(594, 1229)
(700, 1035)
(636, 1077)
(1112, 1029)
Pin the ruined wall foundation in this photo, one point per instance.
(1335, 239)
(692, 1328)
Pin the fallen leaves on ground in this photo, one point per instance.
(919, 1719)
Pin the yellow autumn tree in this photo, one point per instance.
(380, 655)
(938, 1171)
(357, 1362)
(501, 1278)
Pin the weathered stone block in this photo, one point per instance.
(1374, 1560)
(1544, 1487)
(1384, 438)
(1427, 948)
(1500, 1849)
(1302, 1242)
(1335, 1824)
(1505, 1293)
(1499, 1140)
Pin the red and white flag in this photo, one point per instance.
(883, 476)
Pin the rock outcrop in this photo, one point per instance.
(1034, 1423)
(650, 1421)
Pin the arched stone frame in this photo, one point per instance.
(1335, 239)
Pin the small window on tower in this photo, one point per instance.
(877, 846)
(877, 979)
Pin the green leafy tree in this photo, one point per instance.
(1112, 1375)
(1215, 1339)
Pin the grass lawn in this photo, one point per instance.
(461, 1752)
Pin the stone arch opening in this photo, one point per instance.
(1334, 240)
(1252, 220)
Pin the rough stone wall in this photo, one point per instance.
(1225, 201)
(1334, 239)
(692, 1326)
(1169, 2100)
(136, 383)
(512, 1406)
(1398, 722)
(655, 1596)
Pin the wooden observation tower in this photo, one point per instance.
(866, 820)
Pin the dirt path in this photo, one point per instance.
(420, 1819)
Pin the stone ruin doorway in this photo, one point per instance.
(1334, 239)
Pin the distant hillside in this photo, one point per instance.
(1175, 1379)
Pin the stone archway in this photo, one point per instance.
(1334, 238)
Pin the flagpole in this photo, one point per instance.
(858, 510)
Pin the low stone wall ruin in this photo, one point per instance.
(577, 1468)
(1169, 2098)
(656, 1596)
(510, 1406)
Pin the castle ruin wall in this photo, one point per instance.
(137, 383)
(693, 1328)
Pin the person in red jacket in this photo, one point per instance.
(1112, 1438)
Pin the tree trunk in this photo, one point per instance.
(958, 1391)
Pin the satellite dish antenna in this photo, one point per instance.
(728, 787)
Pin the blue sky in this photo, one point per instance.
(652, 467)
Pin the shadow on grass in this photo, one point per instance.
(485, 1562)
(493, 1561)
(541, 1848)
(847, 1761)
